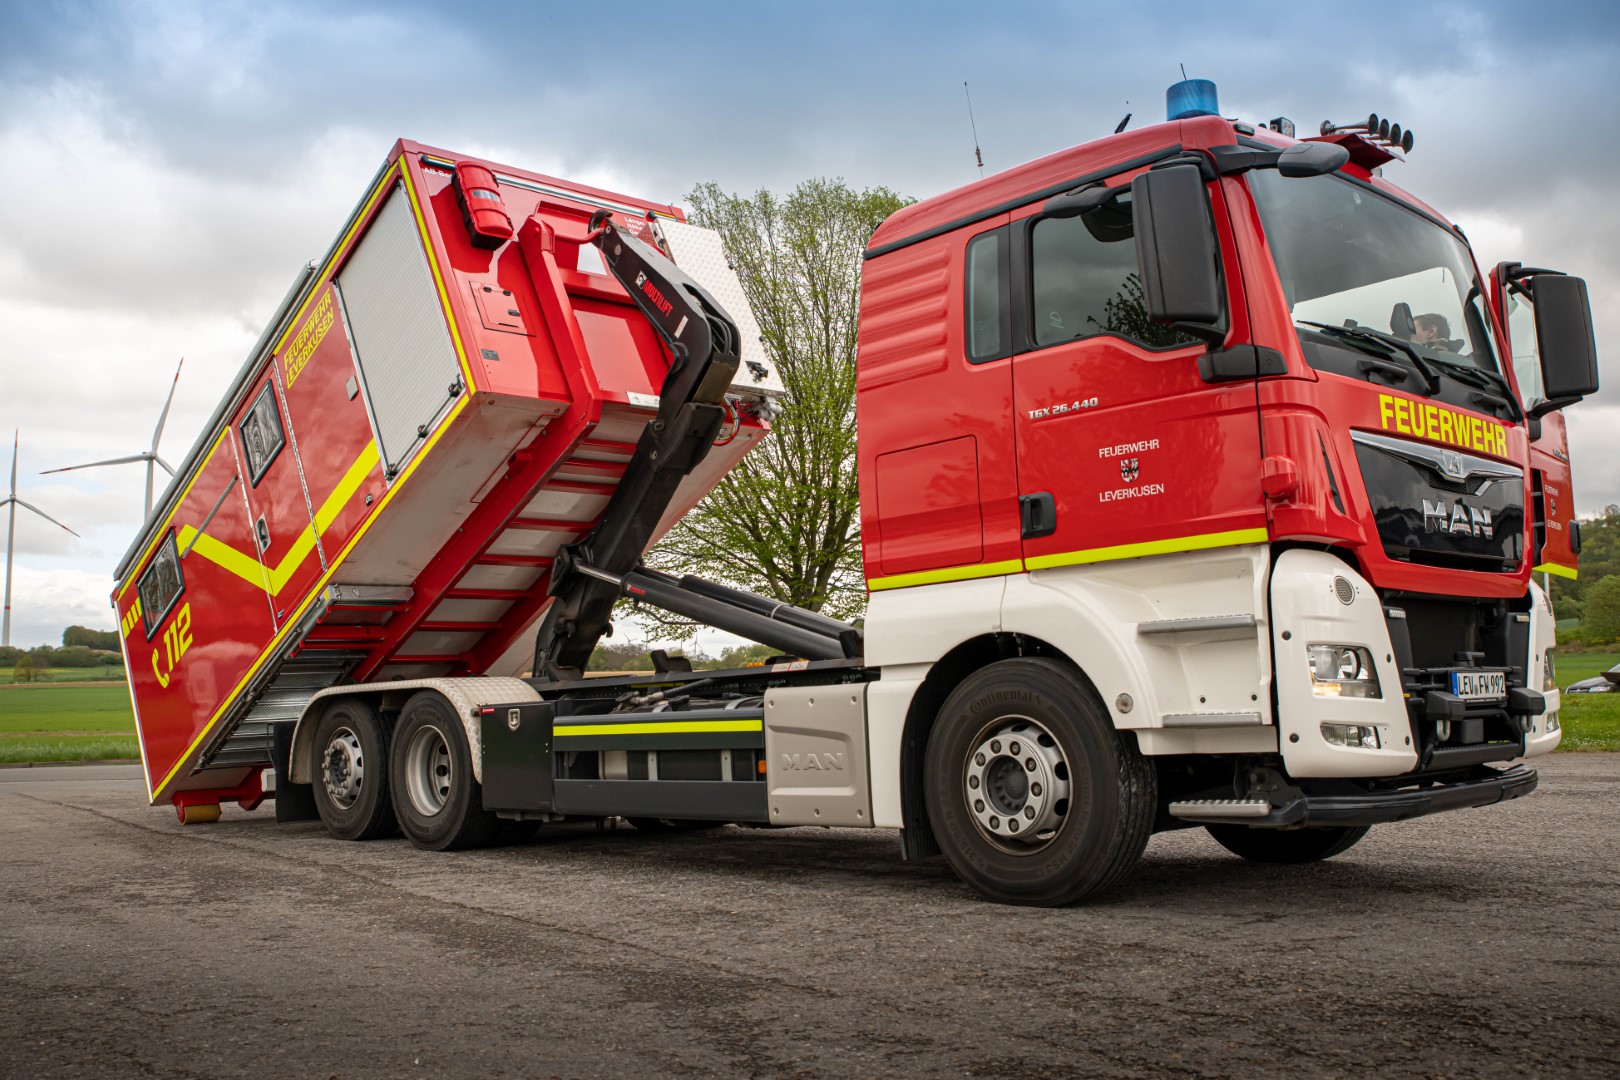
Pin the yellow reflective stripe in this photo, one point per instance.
(671, 727)
(1556, 570)
(346, 488)
(1151, 547)
(951, 573)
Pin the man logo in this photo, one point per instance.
(823, 762)
(1128, 470)
(1451, 463)
(514, 717)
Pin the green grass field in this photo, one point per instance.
(67, 674)
(56, 722)
(1591, 721)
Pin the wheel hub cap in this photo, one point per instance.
(343, 768)
(427, 771)
(1017, 782)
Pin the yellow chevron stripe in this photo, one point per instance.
(248, 568)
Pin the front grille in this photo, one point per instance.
(1472, 519)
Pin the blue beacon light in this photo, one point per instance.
(1191, 97)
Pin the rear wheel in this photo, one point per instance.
(1292, 846)
(351, 771)
(439, 804)
(1033, 796)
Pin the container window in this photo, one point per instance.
(262, 434)
(161, 586)
(1084, 280)
(989, 330)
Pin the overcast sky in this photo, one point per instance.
(169, 166)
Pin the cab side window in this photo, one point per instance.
(989, 327)
(1084, 281)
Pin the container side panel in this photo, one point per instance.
(327, 414)
(213, 630)
(406, 356)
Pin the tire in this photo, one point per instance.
(1062, 807)
(350, 772)
(1292, 846)
(439, 804)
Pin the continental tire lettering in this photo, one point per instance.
(1437, 423)
(296, 358)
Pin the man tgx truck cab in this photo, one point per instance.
(1152, 418)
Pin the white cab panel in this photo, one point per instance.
(1544, 736)
(1307, 609)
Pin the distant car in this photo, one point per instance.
(1606, 683)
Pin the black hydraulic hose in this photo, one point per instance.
(771, 609)
(794, 640)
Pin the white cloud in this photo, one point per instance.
(44, 602)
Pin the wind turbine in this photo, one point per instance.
(11, 504)
(150, 456)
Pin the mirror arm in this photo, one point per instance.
(1544, 406)
(1231, 160)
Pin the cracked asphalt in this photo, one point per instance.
(1475, 943)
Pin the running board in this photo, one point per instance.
(1219, 810)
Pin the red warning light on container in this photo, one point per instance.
(482, 207)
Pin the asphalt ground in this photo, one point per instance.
(1475, 943)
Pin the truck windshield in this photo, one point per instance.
(1358, 266)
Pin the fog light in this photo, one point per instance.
(1360, 736)
(1552, 722)
(1549, 675)
(1342, 671)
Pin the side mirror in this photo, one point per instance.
(1569, 369)
(1176, 249)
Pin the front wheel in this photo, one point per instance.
(438, 802)
(1033, 796)
(1291, 846)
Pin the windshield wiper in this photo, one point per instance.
(1483, 380)
(1388, 344)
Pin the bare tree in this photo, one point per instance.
(786, 521)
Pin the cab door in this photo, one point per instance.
(1123, 448)
(1557, 533)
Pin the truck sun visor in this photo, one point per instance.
(482, 207)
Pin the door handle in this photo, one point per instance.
(1038, 515)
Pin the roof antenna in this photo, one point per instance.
(977, 156)
(1121, 125)
(1183, 72)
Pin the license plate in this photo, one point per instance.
(1479, 685)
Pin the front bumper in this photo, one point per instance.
(1377, 807)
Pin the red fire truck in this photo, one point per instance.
(1178, 510)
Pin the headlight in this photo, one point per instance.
(1342, 671)
(1549, 676)
(1359, 736)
